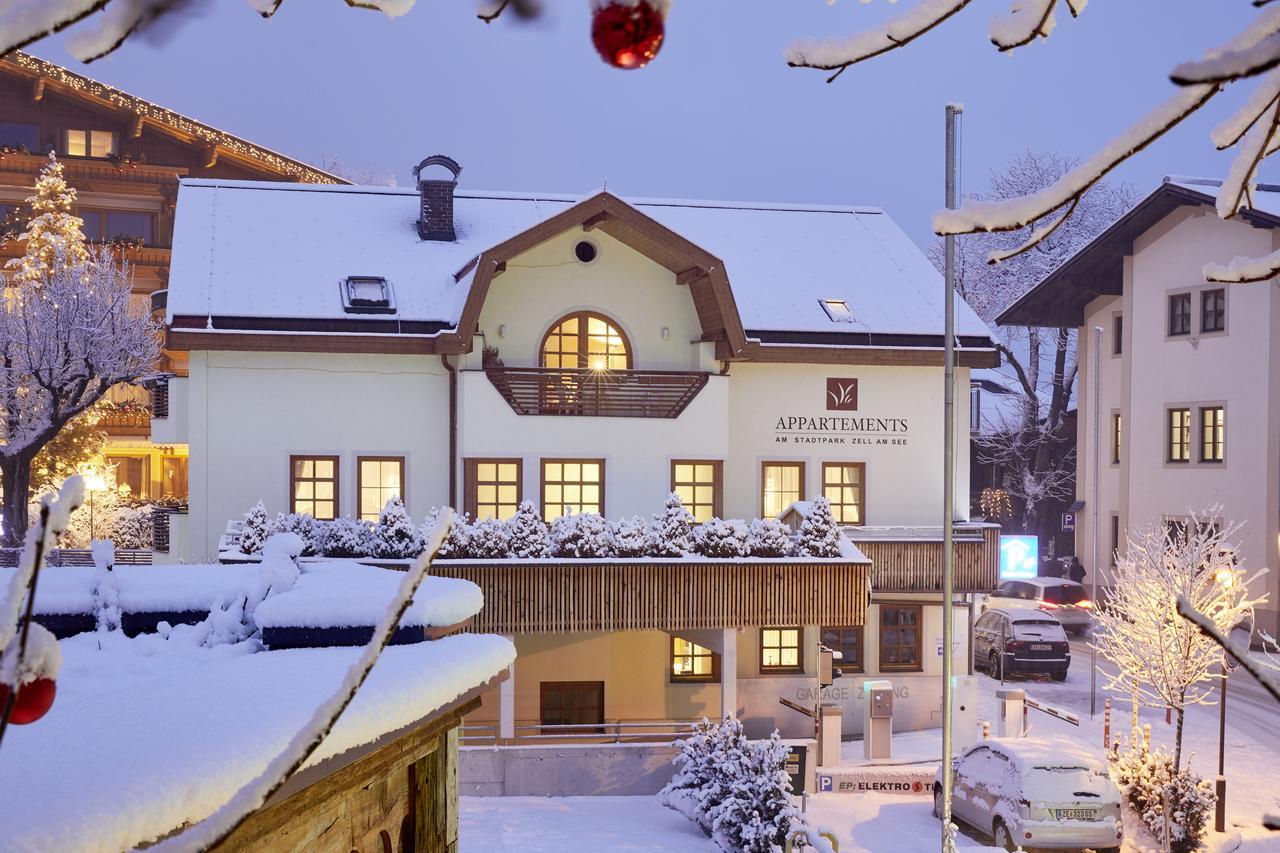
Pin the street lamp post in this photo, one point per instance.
(93, 483)
(1220, 815)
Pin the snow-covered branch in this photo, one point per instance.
(216, 828)
(1027, 21)
(1210, 629)
(1240, 270)
(1253, 51)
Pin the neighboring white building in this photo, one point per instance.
(1189, 387)
(347, 344)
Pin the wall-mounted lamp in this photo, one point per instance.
(502, 330)
(666, 333)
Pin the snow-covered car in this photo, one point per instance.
(1036, 793)
(1022, 641)
(1065, 599)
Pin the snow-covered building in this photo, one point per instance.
(1187, 410)
(591, 354)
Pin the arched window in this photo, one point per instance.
(586, 340)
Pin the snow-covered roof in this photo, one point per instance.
(272, 250)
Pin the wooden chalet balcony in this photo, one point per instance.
(597, 393)
(563, 596)
(910, 559)
(128, 420)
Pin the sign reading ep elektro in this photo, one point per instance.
(1019, 557)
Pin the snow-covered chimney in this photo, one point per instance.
(435, 221)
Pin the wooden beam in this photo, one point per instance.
(499, 268)
(595, 219)
(210, 156)
(135, 131)
(37, 90)
(690, 275)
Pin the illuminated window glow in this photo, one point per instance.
(1179, 435)
(586, 340)
(781, 484)
(780, 649)
(91, 143)
(698, 485)
(571, 486)
(493, 488)
(381, 479)
(313, 486)
(691, 662)
(842, 485)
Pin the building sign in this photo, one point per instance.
(795, 767)
(870, 780)
(842, 395)
(1068, 522)
(1019, 557)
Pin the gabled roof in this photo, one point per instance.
(261, 257)
(143, 112)
(1097, 269)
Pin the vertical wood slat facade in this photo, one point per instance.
(900, 566)
(592, 595)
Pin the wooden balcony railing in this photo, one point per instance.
(597, 393)
(126, 419)
(905, 565)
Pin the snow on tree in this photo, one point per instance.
(457, 544)
(348, 537)
(1164, 660)
(256, 528)
(310, 531)
(768, 537)
(757, 815)
(673, 529)
(528, 534)
(1033, 444)
(490, 540)
(106, 589)
(721, 538)
(130, 528)
(395, 537)
(1147, 778)
(55, 235)
(69, 333)
(703, 779)
(583, 535)
(818, 535)
(632, 538)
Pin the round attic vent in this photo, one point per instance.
(585, 251)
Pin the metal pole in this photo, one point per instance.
(949, 458)
(1097, 455)
(1220, 815)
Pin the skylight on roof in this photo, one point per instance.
(366, 294)
(837, 310)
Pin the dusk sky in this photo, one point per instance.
(718, 115)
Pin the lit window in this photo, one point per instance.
(837, 310)
(780, 649)
(313, 486)
(1213, 433)
(842, 485)
(585, 340)
(1116, 428)
(1180, 314)
(381, 478)
(781, 485)
(493, 488)
(1213, 310)
(698, 485)
(91, 143)
(847, 641)
(900, 640)
(691, 662)
(1179, 435)
(571, 486)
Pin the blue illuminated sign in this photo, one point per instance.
(1019, 557)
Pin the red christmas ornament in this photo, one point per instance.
(627, 33)
(35, 698)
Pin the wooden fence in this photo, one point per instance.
(916, 566)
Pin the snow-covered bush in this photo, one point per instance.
(1148, 778)
(278, 570)
(527, 533)
(348, 537)
(582, 534)
(701, 783)
(255, 530)
(106, 590)
(632, 537)
(757, 814)
(131, 527)
(673, 529)
(490, 540)
(395, 537)
(721, 538)
(768, 537)
(457, 545)
(310, 531)
(819, 536)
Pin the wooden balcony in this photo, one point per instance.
(563, 596)
(597, 393)
(133, 419)
(910, 559)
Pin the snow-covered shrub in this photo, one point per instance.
(582, 534)
(757, 815)
(255, 530)
(106, 590)
(1147, 777)
(490, 540)
(395, 537)
(528, 534)
(130, 527)
(819, 536)
(721, 538)
(632, 538)
(348, 537)
(701, 783)
(310, 531)
(457, 545)
(768, 537)
(673, 529)
(278, 570)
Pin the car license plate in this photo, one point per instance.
(1041, 647)
(1076, 814)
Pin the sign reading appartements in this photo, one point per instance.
(841, 396)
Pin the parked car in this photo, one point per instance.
(1065, 599)
(1024, 641)
(1035, 792)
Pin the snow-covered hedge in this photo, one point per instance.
(1148, 777)
(126, 525)
(670, 533)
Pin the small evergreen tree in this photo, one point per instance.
(819, 536)
(673, 529)
(528, 534)
(582, 535)
(257, 527)
(757, 815)
(720, 538)
(490, 540)
(457, 545)
(310, 531)
(348, 537)
(631, 537)
(54, 235)
(395, 537)
(768, 537)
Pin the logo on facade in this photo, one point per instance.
(842, 395)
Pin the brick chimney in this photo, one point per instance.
(435, 219)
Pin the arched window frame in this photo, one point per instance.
(583, 317)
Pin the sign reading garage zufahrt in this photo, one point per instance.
(859, 429)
